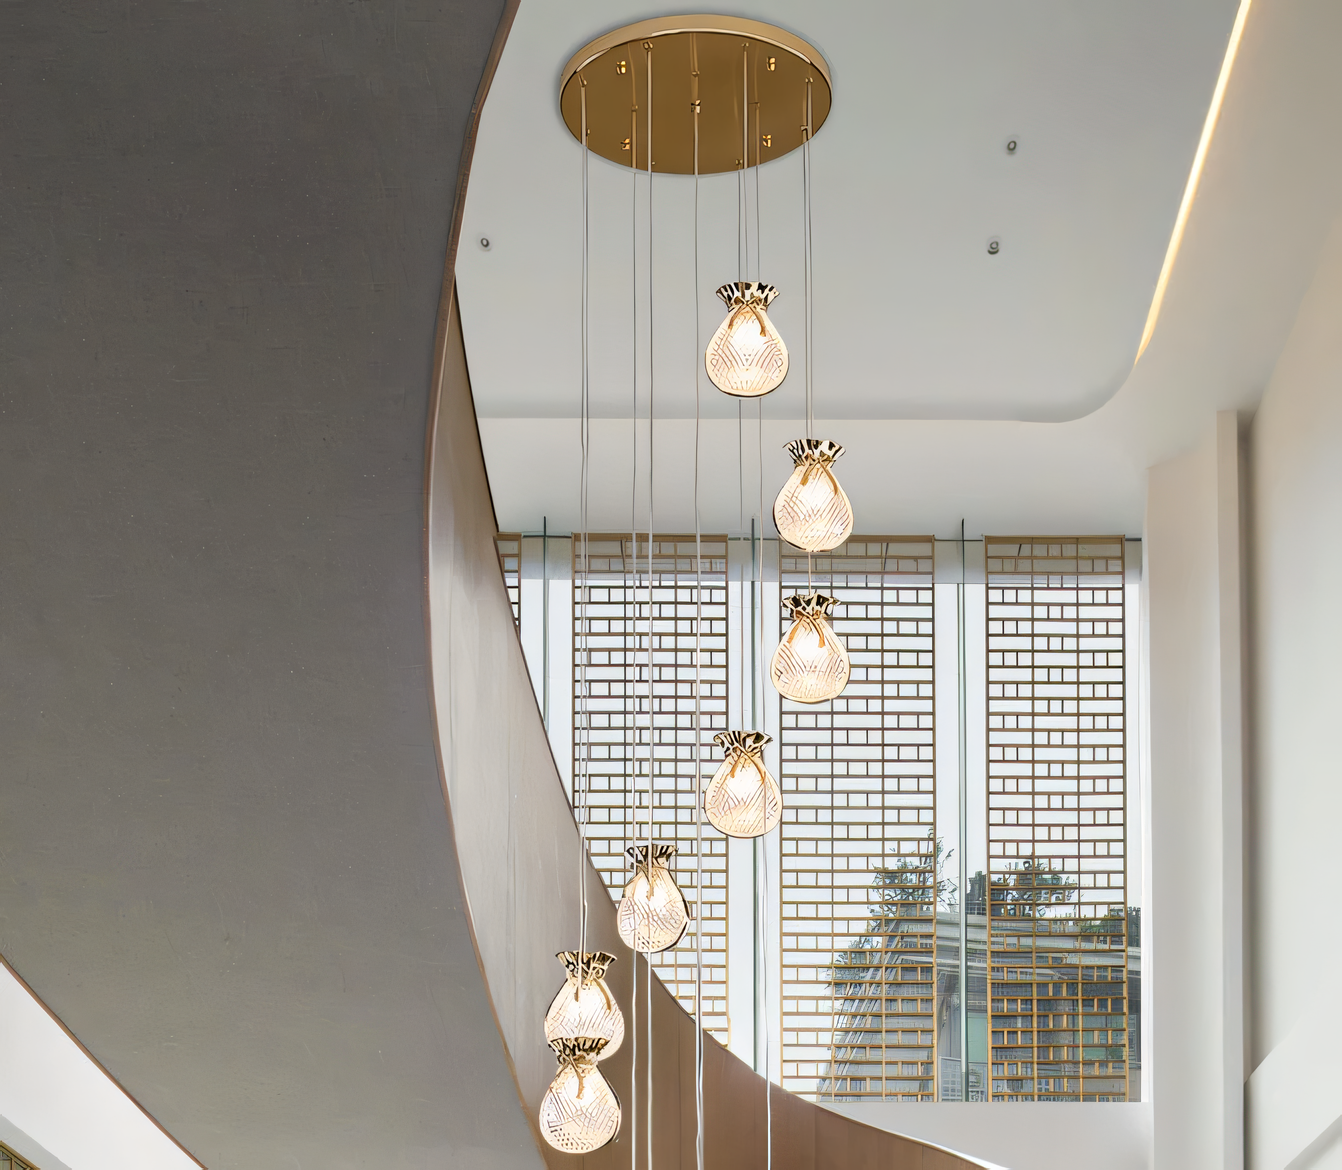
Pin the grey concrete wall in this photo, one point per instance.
(224, 856)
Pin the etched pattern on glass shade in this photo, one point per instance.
(746, 357)
(812, 511)
(653, 914)
(811, 663)
(743, 799)
(584, 1006)
(580, 1111)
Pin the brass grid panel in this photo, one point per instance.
(613, 635)
(9, 1160)
(1057, 804)
(858, 776)
(508, 546)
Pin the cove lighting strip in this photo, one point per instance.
(1195, 176)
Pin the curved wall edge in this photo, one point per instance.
(228, 869)
(517, 846)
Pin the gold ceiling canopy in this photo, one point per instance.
(724, 63)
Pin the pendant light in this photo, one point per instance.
(743, 799)
(584, 1006)
(580, 1112)
(812, 511)
(747, 357)
(811, 664)
(606, 100)
(653, 913)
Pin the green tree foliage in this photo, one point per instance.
(904, 891)
(1031, 890)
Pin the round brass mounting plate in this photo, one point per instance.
(725, 63)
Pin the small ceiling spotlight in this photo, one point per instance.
(994, 246)
(1011, 146)
(485, 244)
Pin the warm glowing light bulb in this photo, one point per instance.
(812, 511)
(580, 1111)
(743, 799)
(653, 913)
(584, 1006)
(810, 664)
(746, 357)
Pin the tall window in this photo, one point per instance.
(950, 909)
(1057, 820)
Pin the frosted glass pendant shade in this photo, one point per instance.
(812, 511)
(810, 664)
(580, 1111)
(653, 913)
(743, 799)
(584, 1006)
(746, 357)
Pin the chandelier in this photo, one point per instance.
(694, 96)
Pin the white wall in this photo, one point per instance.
(1295, 1091)
(1243, 853)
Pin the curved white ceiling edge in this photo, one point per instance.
(1267, 198)
(60, 1100)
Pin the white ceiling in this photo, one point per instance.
(922, 339)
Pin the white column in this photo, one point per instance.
(1295, 1086)
(1194, 993)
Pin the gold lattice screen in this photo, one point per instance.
(1057, 808)
(9, 1160)
(858, 914)
(611, 642)
(508, 545)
